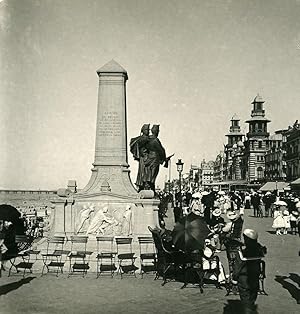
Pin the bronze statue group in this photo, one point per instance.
(149, 152)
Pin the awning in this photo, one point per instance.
(273, 186)
(296, 182)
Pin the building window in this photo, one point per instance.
(259, 144)
(260, 173)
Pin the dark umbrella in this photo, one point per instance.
(9, 213)
(190, 233)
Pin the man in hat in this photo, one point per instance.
(247, 269)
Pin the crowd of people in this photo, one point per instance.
(283, 208)
(223, 212)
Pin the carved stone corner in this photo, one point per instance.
(146, 194)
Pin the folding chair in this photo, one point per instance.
(212, 267)
(78, 255)
(105, 255)
(125, 256)
(23, 243)
(147, 255)
(53, 256)
(169, 264)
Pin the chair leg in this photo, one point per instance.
(165, 275)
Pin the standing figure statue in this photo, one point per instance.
(83, 216)
(140, 153)
(127, 221)
(156, 157)
(150, 153)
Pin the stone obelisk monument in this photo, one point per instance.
(110, 172)
(109, 204)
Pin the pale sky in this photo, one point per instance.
(191, 66)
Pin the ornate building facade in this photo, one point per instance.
(233, 151)
(256, 144)
(293, 152)
(275, 164)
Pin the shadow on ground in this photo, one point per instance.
(290, 287)
(14, 285)
(236, 307)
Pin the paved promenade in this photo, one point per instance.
(48, 294)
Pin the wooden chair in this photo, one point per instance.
(126, 258)
(105, 255)
(147, 255)
(78, 255)
(52, 258)
(21, 260)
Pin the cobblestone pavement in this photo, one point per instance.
(48, 294)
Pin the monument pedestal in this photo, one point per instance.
(70, 219)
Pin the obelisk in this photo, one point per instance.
(110, 183)
(110, 168)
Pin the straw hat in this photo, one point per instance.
(251, 234)
(216, 212)
(231, 215)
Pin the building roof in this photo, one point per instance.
(257, 118)
(234, 134)
(258, 98)
(235, 118)
(112, 67)
(276, 137)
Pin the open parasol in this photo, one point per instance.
(9, 213)
(190, 233)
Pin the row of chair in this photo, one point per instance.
(55, 255)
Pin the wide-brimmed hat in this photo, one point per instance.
(295, 213)
(231, 214)
(197, 195)
(285, 212)
(217, 212)
(297, 205)
(251, 234)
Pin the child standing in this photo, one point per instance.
(278, 222)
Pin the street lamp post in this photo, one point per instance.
(179, 165)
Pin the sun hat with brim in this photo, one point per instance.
(295, 213)
(205, 193)
(197, 195)
(231, 215)
(251, 234)
(280, 203)
(221, 193)
(285, 213)
(216, 212)
(297, 205)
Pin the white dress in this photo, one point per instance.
(278, 221)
